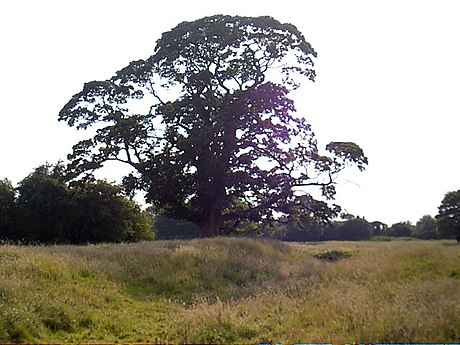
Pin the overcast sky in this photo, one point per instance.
(388, 78)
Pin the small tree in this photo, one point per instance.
(425, 228)
(449, 215)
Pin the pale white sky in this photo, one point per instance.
(388, 78)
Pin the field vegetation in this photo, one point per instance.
(218, 150)
(231, 290)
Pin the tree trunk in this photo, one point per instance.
(211, 220)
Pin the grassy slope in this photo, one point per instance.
(231, 290)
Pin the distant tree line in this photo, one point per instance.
(45, 208)
(446, 224)
(350, 229)
(359, 229)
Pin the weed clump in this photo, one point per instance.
(333, 255)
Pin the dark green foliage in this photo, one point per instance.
(7, 209)
(217, 100)
(167, 228)
(48, 210)
(449, 215)
(425, 228)
(401, 229)
(45, 207)
(105, 215)
(354, 229)
(357, 229)
(311, 232)
(378, 228)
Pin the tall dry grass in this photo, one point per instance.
(231, 290)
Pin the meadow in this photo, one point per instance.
(231, 290)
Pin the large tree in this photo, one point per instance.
(208, 128)
(449, 215)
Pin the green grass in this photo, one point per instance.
(230, 290)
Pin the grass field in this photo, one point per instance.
(231, 290)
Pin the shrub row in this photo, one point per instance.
(44, 208)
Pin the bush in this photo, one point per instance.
(106, 215)
(45, 207)
(50, 211)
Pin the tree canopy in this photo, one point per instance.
(425, 228)
(401, 229)
(449, 215)
(208, 128)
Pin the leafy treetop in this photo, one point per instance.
(217, 140)
(449, 214)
